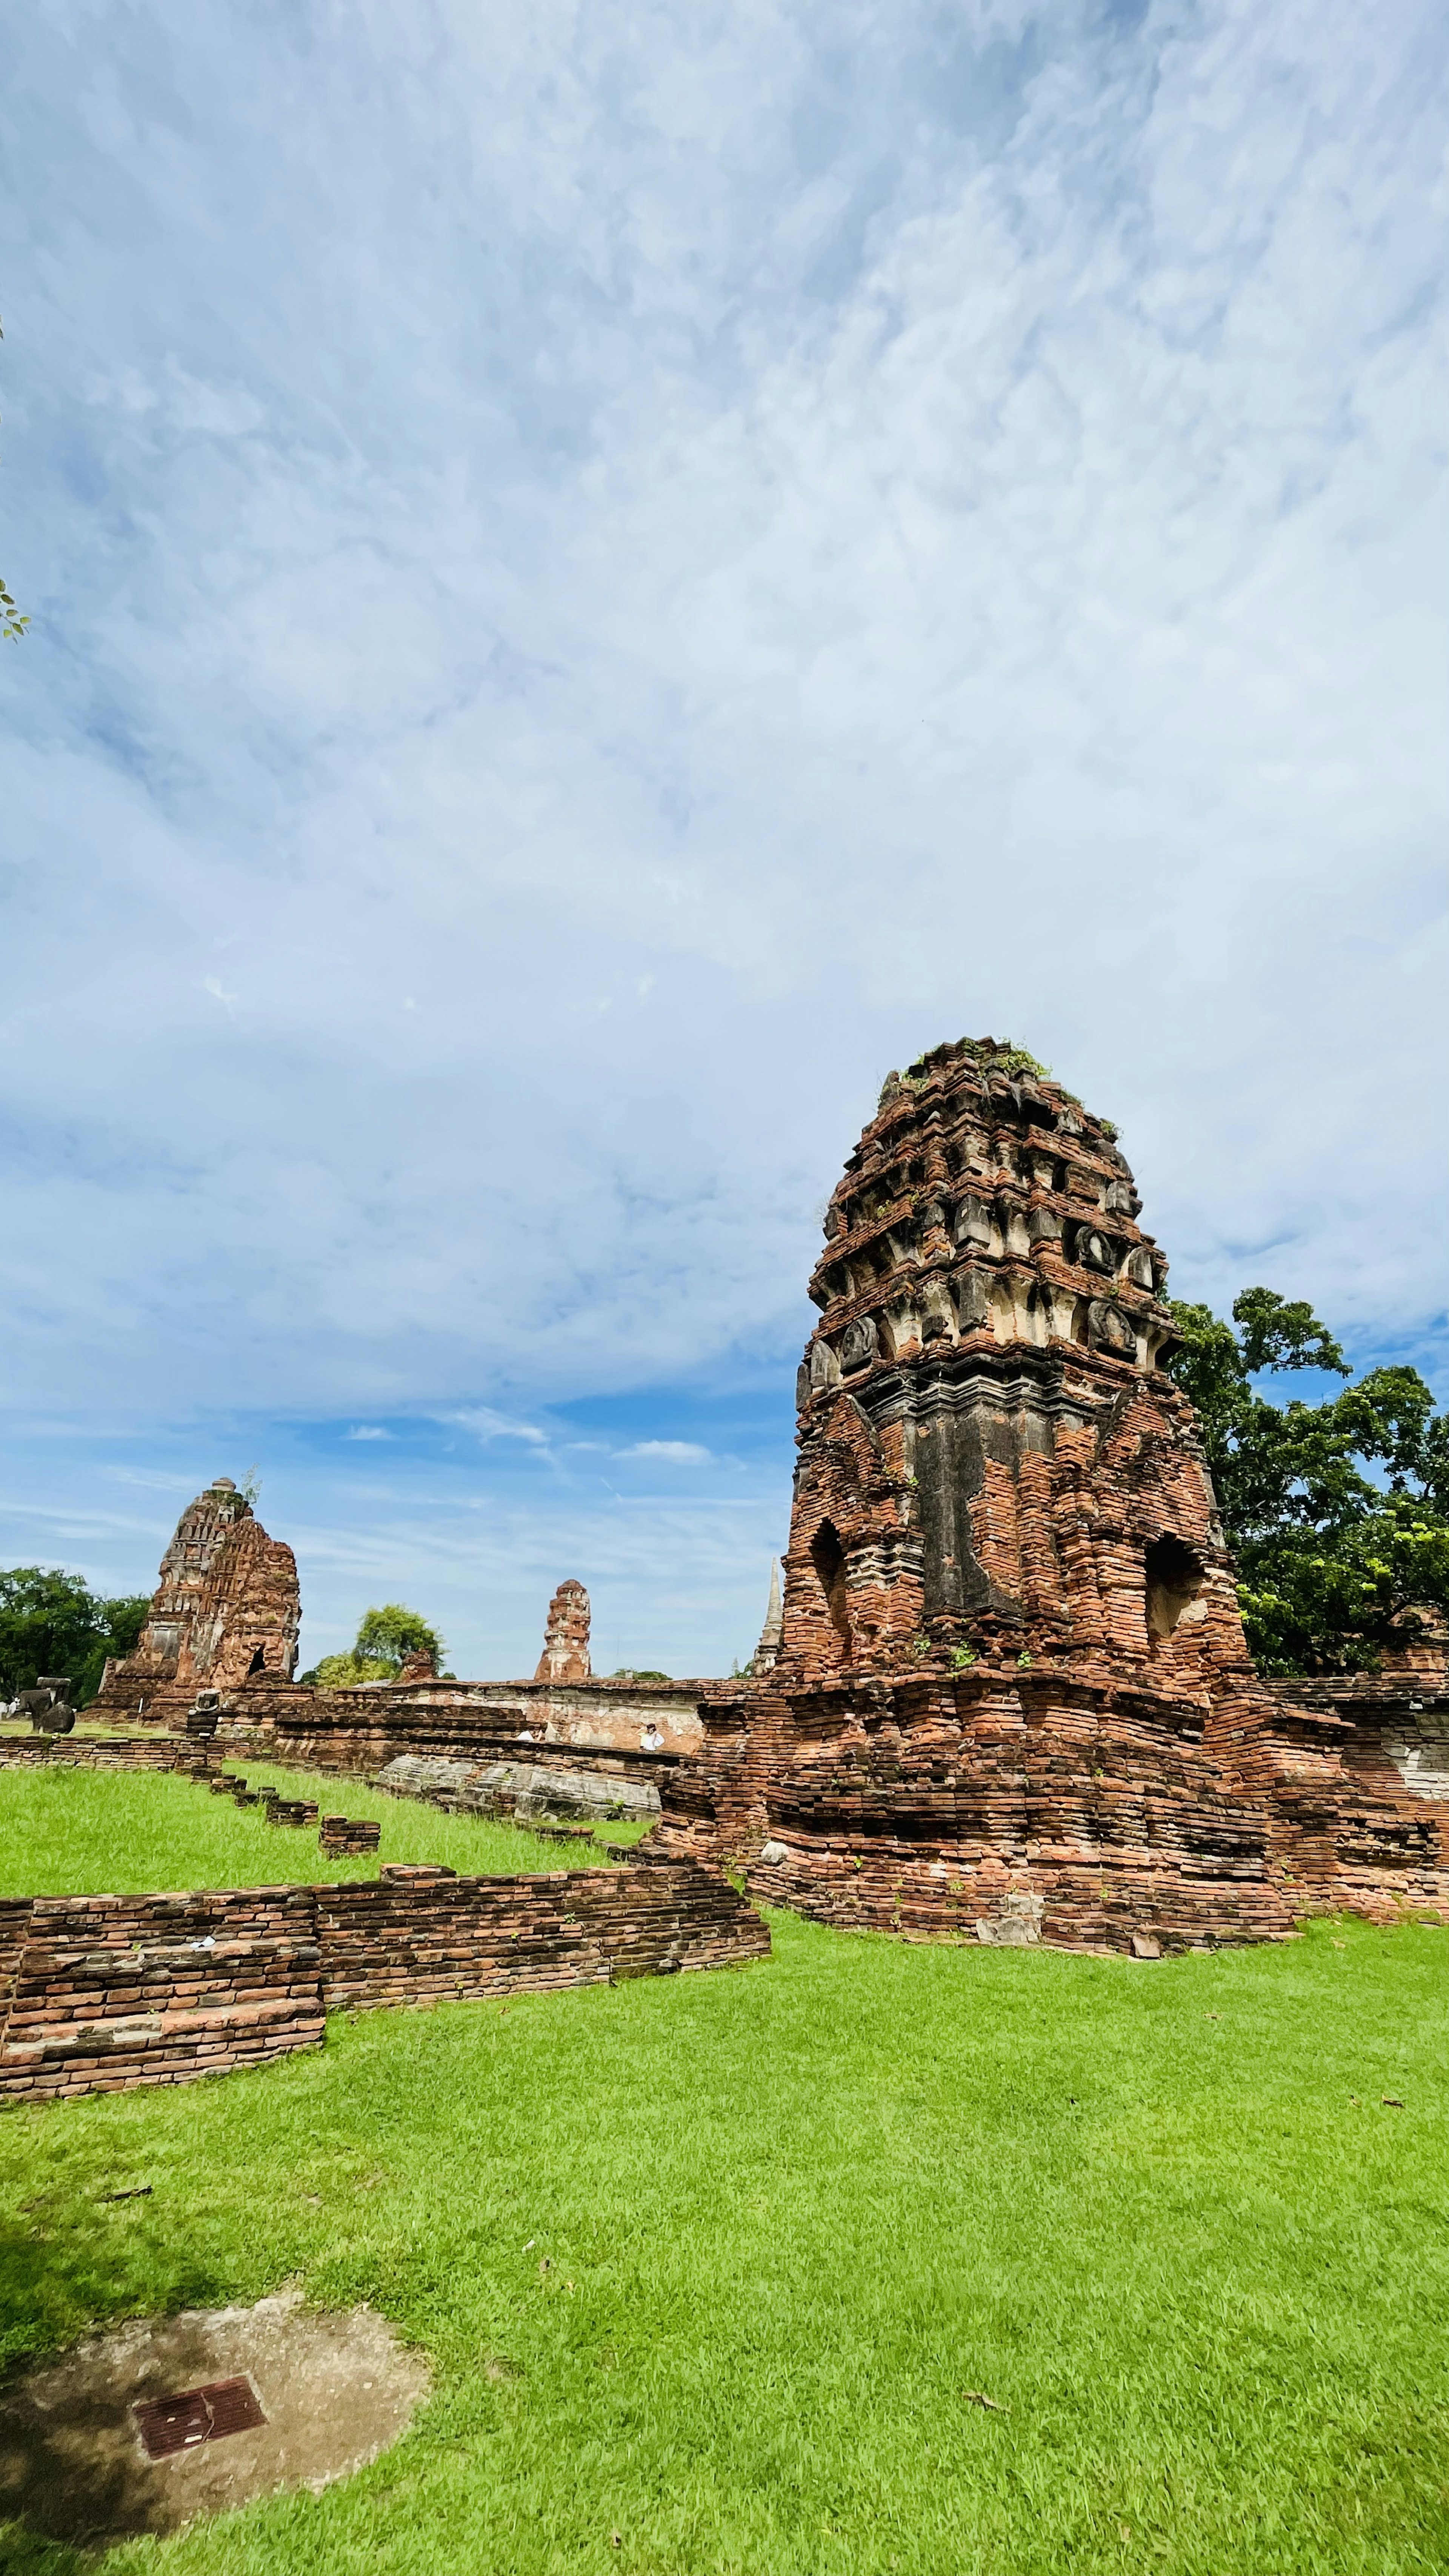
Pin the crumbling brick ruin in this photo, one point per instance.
(991, 1458)
(565, 1656)
(1012, 1698)
(226, 1611)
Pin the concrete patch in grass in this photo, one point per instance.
(333, 2390)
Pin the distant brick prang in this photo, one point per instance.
(104, 1993)
(565, 1656)
(1012, 1698)
(227, 1610)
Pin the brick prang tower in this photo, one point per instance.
(991, 1455)
(1012, 1701)
(226, 1611)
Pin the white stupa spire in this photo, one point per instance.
(767, 1651)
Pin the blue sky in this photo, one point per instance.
(601, 576)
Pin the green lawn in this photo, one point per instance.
(793, 2214)
(84, 1833)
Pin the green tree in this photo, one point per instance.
(384, 1640)
(1336, 1512)
(52, 1622)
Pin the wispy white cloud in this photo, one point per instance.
(368, 1431)
(675, 1453)
(704, 552)
(486, 1424)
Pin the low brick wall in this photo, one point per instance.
(111, 1991)
(102, 1993)
(100, 1753)
(405, 1940)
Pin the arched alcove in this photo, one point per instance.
(1174, 1578)
(828, 1558)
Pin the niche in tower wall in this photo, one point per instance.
(828, 1558)
(1174, 1579)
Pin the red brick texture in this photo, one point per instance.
(113, 1991)
(103, 1993)
(100, 1753)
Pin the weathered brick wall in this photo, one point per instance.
(102, 1993)
(114, 1991)
(98, 1753)
(971, 1806)
(446, 1939)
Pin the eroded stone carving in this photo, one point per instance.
(1110, 1329)
(859, 1343)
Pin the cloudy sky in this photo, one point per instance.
(603, 574)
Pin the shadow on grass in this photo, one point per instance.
(69, 2272)
(26, 2553)
(63, 2274)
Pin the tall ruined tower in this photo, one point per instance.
(226, 1610)
(1012, 1700)
(992, 1458)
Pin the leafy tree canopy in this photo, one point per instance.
(384, 1640)
(1336, 1512)
(52, 1622)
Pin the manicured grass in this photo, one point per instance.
(792, 2216)
(85, 1833)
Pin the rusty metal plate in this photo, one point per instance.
(168, 2425)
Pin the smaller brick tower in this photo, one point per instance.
(565, 1656)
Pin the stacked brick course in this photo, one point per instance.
(103, 1993)
(1012, 1698)
(342, 1836)
(430, 1937)
(98, 1753)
